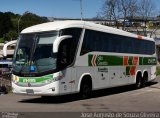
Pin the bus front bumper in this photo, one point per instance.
(48, 90)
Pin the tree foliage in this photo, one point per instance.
(11, 35)
(146, 9)
(5, 23)
(128, 8)
(30, 19)
(9, 24)
(113, 10)
(110, 10)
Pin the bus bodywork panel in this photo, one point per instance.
(114, 71)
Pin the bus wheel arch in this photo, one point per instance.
(85, 88)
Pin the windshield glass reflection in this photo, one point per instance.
(35, 53)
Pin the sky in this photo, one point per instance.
(56, 8)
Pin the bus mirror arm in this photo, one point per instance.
(6, 45)
(58, 41)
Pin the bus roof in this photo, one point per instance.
(58, 25)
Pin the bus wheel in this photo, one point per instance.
(138, 81)
(144, 79)
(86, 89)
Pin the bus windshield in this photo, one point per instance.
(34, 53)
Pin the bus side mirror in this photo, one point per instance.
(57, 42)
(6, 45)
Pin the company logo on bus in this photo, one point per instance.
(29, 80)
(151, 61)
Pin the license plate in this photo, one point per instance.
(29, 91)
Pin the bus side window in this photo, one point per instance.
(87, 46)
(72, 42)
(64, 54)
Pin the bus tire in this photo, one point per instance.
(144, 79)
(86, 88)
(138, 80)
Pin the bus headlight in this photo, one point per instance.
(48, 81)
(56, 77)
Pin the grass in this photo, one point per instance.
(158, 70)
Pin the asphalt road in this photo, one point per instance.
(121, 99)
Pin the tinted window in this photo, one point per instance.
(68, 47)
(106, 42)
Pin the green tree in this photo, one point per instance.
(5, 23)
(14, 20)
(30, 19)
(11, 35)
(9, 24)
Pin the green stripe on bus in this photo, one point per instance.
(102, 60)
(90, 60)
(140, 60)
(128, 70)
(109, 60)
(35, 79)
(149, 61)
(130, 60)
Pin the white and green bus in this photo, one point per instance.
(65, 57)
